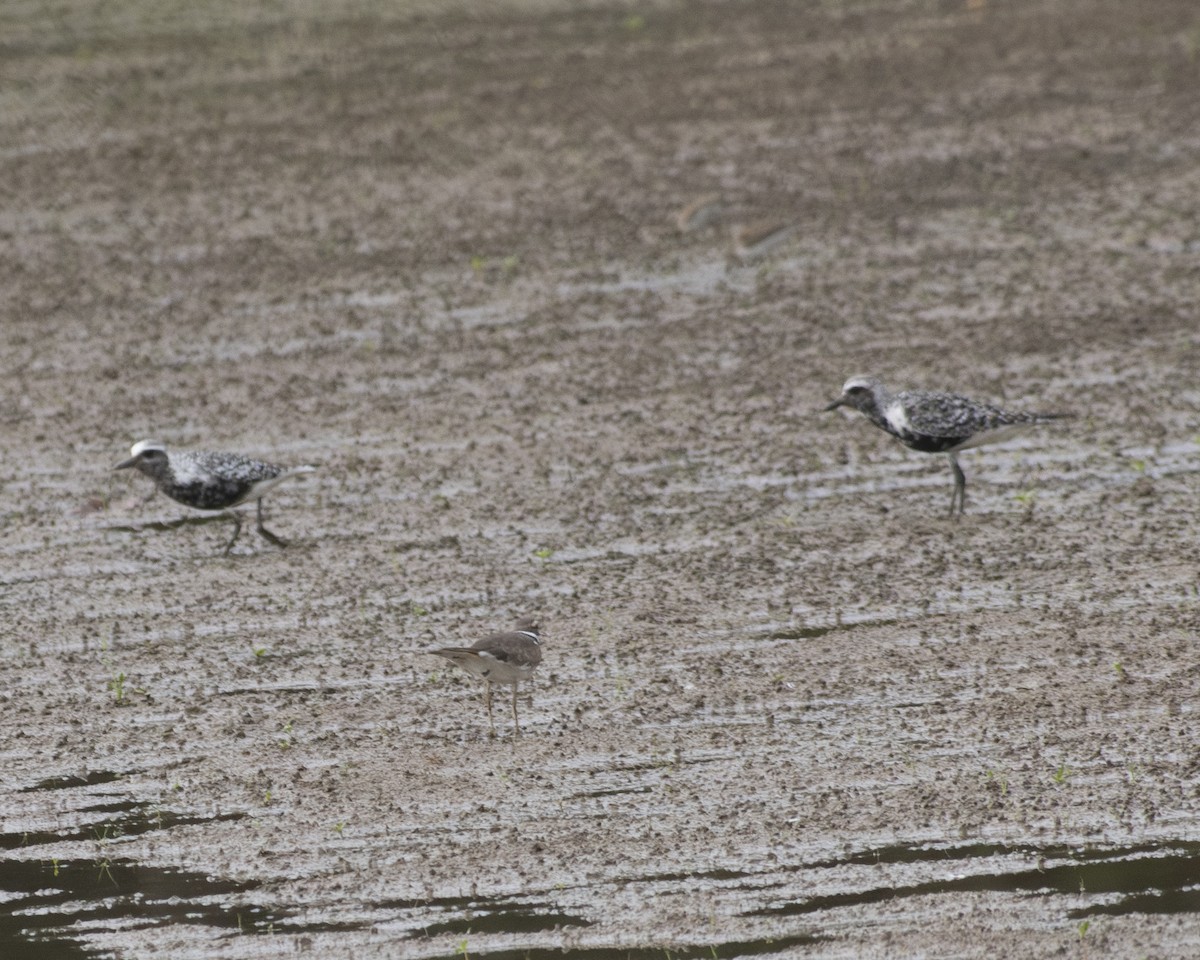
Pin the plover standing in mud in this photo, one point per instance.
(211, 481)
(500, 658)
(934, 422)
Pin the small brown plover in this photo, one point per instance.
(500, 658)
(210, 481)
(936, 422)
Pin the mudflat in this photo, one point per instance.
(787, 706)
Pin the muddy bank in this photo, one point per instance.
(787, 706)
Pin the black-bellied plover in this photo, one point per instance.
(211, 481)
(500, 658)
(936, 422)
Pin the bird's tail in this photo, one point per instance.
(1051, 417)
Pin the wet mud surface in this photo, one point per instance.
(787, 706)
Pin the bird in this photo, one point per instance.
(211, 481)
(934, 422)
(500, 658)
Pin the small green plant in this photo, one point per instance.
(339, 827)
(1062, 774)
(1138, 465)
(105, 832)
(54, 865)
(1000, 780)
(1025, 498)
(1120, 671)
(543, 553)
(117, 685)
(462, 947)
(416, 609)
(259, 652)
(1083, 928)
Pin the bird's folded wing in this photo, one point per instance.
(949, 415)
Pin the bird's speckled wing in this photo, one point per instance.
(232, 466)
(215, 481)
(950, 416)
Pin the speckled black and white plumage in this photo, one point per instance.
(207, 480)
(934, 422)
(500, 658)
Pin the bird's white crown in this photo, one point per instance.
(143, 445)
(860, 382)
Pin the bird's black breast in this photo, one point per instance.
(924, 443)
(212, 494)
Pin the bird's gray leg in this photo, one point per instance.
(237, 530)
(516, 722)
(487, 699)
(960, 486)
(267, 534)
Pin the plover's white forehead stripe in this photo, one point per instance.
(865, 382)
(143, 445)
(531, 635)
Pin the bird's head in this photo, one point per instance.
(861, 393)
(148, 456)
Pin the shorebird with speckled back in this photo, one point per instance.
(500, 658)
(933, 422)
(211, 481)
